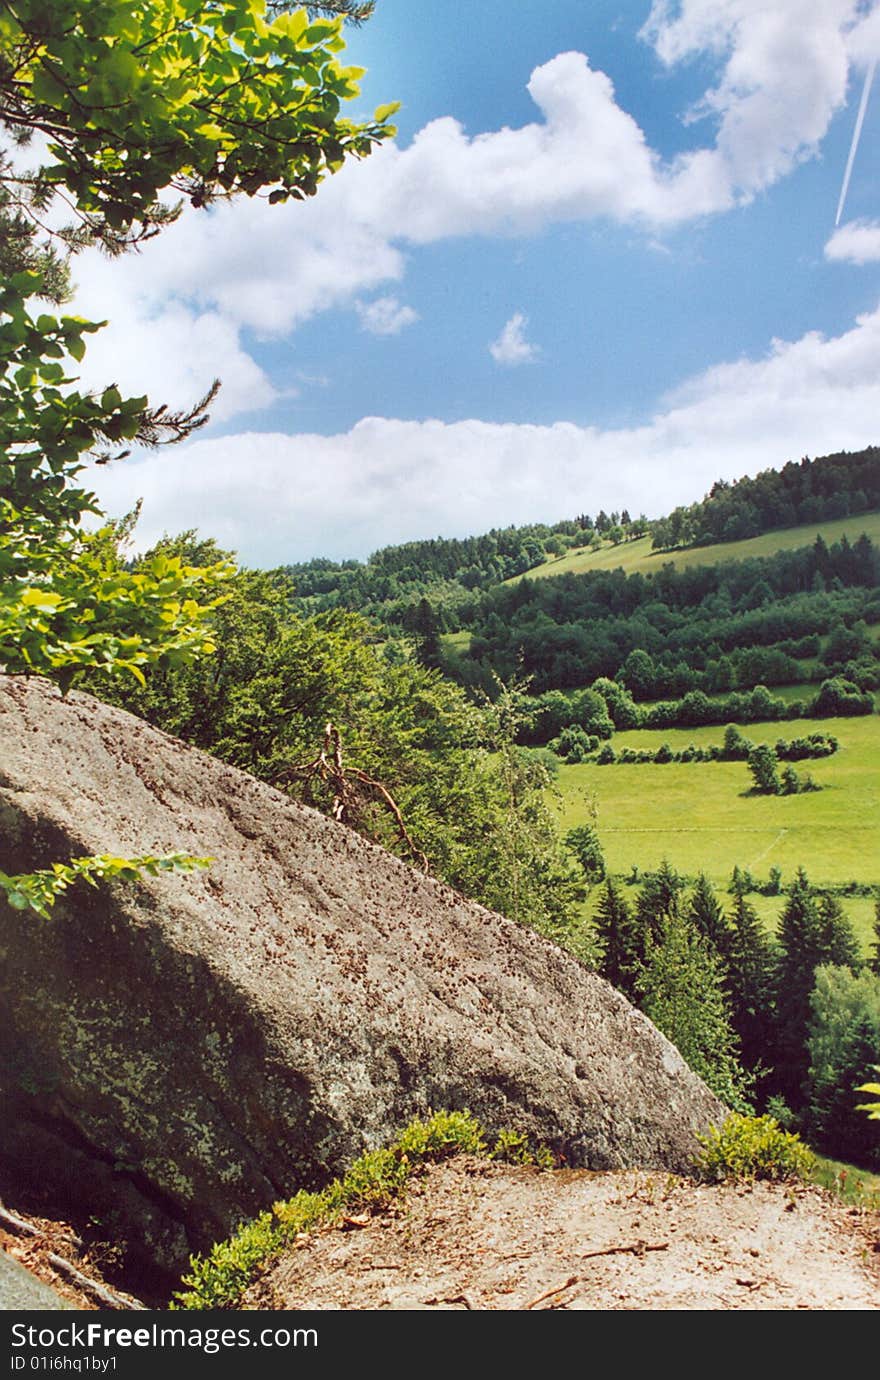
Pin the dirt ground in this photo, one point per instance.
(478, 1236)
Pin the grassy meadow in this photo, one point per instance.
(633, 556)
(700, 817)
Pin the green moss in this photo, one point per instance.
(218, 1279)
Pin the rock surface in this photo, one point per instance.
(21, 1292)
(178, 1054)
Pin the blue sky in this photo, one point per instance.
(598, 268)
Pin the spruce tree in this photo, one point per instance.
(681, 989)
(838, 941)
(427, 634)
(659, 898)
(750, 982)
(740, 881)
(800, 950)
(617, 933)
(705, 913)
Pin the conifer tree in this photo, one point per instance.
(838, 941)
(427, 633)
(681, 989)
(617, 933)
(659, 898)
(749, 982)
(739, 881)
(705, 913)
(800, 950)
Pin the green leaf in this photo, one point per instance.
(42, 599)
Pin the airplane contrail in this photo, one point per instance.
(857, 134)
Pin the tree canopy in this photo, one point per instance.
(202, 98)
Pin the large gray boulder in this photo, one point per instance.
(176, 1055)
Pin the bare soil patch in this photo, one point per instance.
(470, 1235)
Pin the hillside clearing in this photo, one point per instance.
(638, 557)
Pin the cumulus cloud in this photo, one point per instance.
(385, 316)
(857, 242)
(781, 75)
(511, 347)
(863, 39)
(278, 498)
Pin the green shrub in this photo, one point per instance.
(513, 1147)
(753, 1147)
(446, 1133)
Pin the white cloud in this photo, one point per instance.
(863, 40)
(385, 316)
(278, 498)
(784, 76)
(248, 266)
(511, 347)
(857, 242)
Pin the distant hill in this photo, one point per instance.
(420, 588)
(641, 557)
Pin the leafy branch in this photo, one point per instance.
(40, 890)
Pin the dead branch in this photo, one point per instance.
(458, 1298)
(351, 787)
(16, 1224)
(638, 1248)
(550, 1293)
(91, 1286)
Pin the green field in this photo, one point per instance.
(698, 816)
(635, 556)
(460, 641)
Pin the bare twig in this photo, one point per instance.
(459, 1298)
(638, 1248)
(17, 1224)
(551, 1293)
(92, 1287)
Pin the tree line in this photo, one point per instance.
(789, 1023)
(820, 490)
